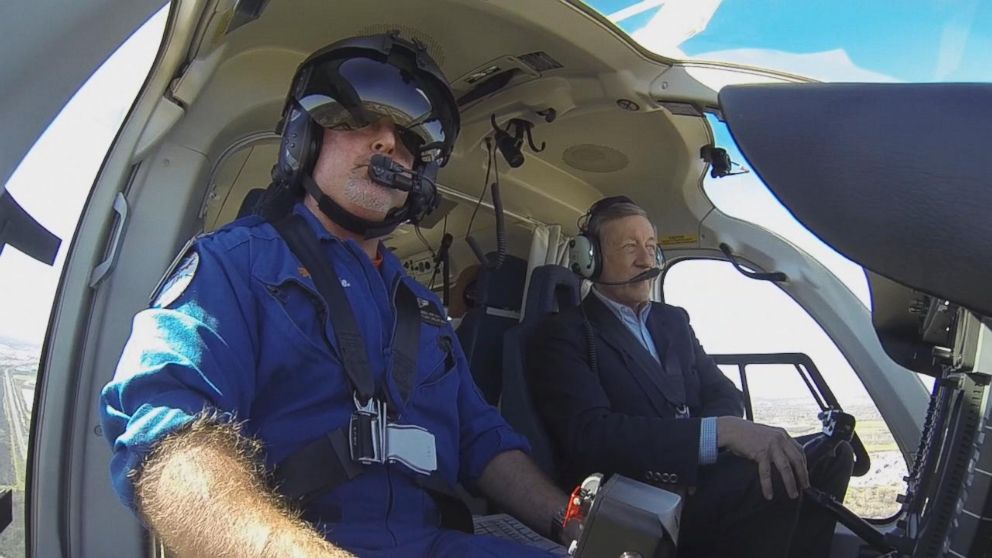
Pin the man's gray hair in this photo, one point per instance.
(594, 225)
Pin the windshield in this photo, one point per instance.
(827, 41)
(913, 40)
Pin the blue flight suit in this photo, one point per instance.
(241, 329)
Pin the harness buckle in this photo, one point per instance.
(367, 431)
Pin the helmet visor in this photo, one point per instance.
(356, 92)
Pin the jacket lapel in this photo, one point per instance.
(665, 390)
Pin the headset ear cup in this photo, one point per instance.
(582, 255)
(301, 138)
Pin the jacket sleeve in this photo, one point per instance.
(720, 397)
(483, 433)
(193, 355)
(591, 433)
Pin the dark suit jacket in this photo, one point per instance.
(622, 420)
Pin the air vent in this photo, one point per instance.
(408, 33)
(540, 61)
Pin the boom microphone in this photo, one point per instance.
(642, 276)
(383, 170)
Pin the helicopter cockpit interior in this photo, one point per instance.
(559, 109)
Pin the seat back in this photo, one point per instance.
(500, 295)
(552, 288)
(250, 202)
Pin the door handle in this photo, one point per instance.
(101, 271)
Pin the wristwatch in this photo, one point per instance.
(558, 524)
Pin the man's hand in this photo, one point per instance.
(766, 446)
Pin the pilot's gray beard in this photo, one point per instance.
(362, 192)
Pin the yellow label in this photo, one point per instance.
(679, 239)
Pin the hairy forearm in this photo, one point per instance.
(514, 482)
(201, 491)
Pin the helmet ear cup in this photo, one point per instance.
(301, 139)
(586, 257)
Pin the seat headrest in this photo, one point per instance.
(503, 287)
(251, 200)
(552, 288)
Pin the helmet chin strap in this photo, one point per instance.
(334, 212)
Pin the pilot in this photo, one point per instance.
(291, 391)
(625, 387)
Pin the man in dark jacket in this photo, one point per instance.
(624, 387)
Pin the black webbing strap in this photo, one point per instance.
(351, 345)
(326, 463)
(406, 339)
(318, 467)
(454, 513)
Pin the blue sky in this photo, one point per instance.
(912, 40)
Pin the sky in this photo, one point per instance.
(54, 179)
(939, 40)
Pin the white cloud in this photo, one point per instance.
(829, 65)
(680, 20)
(675, 23)
(953, 40)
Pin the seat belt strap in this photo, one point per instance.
(316, 468)
(303, 243)
(406, 339)
(325, 464)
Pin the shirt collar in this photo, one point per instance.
(390, 263)
(622, 310)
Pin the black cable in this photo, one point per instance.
(485, 186)
(420, 235)
(500, 225)
(437, 257)
(590, 341)
(490, 163)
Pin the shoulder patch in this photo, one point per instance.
(180, 279)
(177, 277)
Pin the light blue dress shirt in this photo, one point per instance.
(637, 324)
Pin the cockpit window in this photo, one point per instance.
(746, 197)
(52, 183)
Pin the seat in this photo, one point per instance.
(250, 202)
(500, 295)
(552, 288)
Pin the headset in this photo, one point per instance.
(324, 95)
(586, 253)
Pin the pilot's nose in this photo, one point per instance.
(384, 139)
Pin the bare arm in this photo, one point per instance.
(202, 492)
(514, 482)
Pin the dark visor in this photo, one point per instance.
(356, 92)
